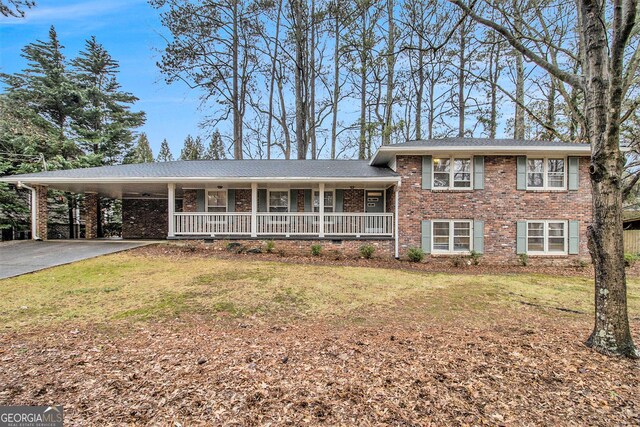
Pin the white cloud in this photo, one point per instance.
(69, 12)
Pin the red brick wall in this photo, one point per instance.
(190, 201)
(91, 215)
(243, 200)
(353, 200)
(500, 205)
(42, 211)
(145, 218)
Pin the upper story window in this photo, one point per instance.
(279, 201)
(452, 173)
(546, 173)
(216, 200)
(547, 237)
(328, 201)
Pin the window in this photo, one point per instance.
(545, 173)
(547, 237)
(328, 201)
(279, 201)
(216, 200)
(451, 236)
(452, 173)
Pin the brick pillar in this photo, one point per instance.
(190, 201)
(41, 211)
(91, 215)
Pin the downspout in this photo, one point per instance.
(34, 209)
(397, 194)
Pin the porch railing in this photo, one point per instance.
(284, 224)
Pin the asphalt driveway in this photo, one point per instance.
(26, 256)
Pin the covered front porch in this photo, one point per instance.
(281, 210)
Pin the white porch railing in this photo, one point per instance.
(211, 224)
(284, 224)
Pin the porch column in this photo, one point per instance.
(91, 215)
(254, 209)
(39, 230)
(396, 220)
(321, 207)
(171, 200)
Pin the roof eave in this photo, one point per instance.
(15, 179)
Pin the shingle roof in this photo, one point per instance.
(483, 142)
(225, 169)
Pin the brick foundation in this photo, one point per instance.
(500, 205)
(145, 218)
(41, 211)
(90, 212)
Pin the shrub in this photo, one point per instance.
(315, 250)
(630, 259)
(458, 261)
(475, 257)
(367, 251)
(415, 254)
(581, 263)
(523, 259)
(270, 246)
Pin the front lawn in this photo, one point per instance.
(149, 338)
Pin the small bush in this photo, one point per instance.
(630, 259)
(367, 251)
(475, 257)
(458, 261)
(581, 263)
(523, 259)
(316, 250)
(415, 254)
(270, 246)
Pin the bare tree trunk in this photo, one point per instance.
(237, 119)
(391, 62)
(272, 81)
(461, 81)
(283, 119)
(430, 111)
(302, 111)
(603, 97)
(336, 81)
(419, 89)
(551, 109)
(312, 84)
(518, 126)
(362, 153)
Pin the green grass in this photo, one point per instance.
(129, 287)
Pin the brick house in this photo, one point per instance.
(497, 197)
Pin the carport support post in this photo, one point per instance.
(41, 212)
(321, 208)
(171, 201)
(254, 209)
(91, 201)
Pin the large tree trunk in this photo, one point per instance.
(419, 89)
(362, 146)
(603, 97)
(551, 110)
(272, 80)
(518, 127)
(391, 62)
(237, 119)
(461, 81)
(300, 37)
(336, 82)
(312, 84)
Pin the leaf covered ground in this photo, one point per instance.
(152, 337)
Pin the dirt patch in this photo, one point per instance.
(521, 369)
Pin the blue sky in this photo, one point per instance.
(131, 32)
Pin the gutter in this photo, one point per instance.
(34, 210)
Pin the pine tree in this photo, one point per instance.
(215, 151)
(142, 152)
(193, 149)
(105, 123)
(165, 153)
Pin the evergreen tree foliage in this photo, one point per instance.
(193, 149)
(215, 151)
(105, 123)
(142, 152)
(165, 153)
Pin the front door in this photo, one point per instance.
(374, 201)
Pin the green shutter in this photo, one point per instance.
(478, 236)
(574, 237)
(574, 166)
(307, 201)
(478, 172)
(521, 237)
(521, 180)
(293, 201)
(231, 200)
(262, 200)
(426, 236)
(427, 166)
(200, 195)
(339, 201)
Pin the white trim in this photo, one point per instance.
(451, 251)
(313, 195)
(193, 179)
(254, 209)
(320, 207)
(396, 230)
(452, 160)
(171, 203)
(270, 190)
(545, 174)
(206, 199)
(545, 237)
